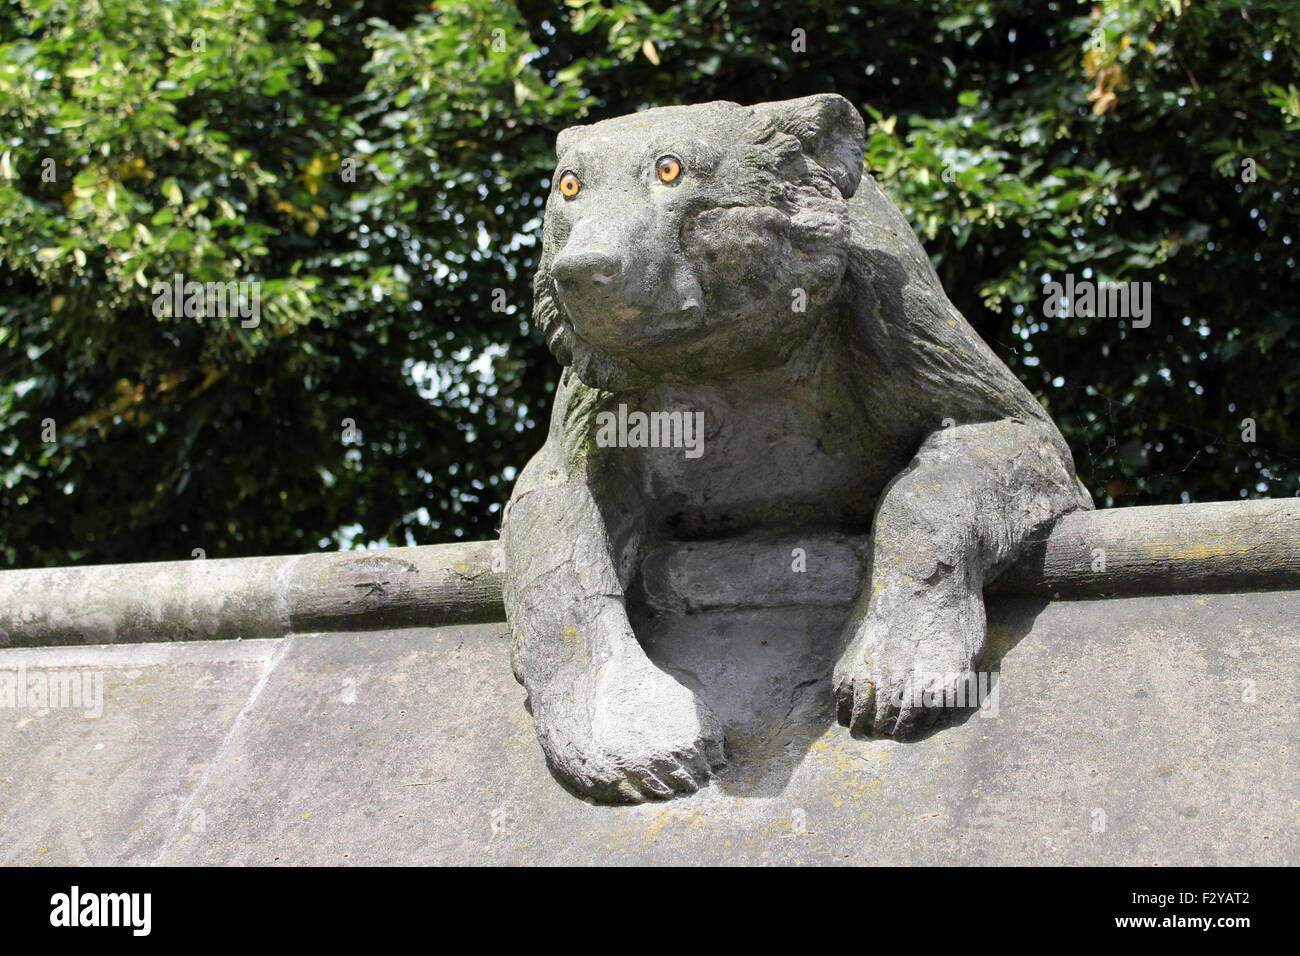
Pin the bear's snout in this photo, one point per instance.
(578, 269)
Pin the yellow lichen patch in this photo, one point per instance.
(627, 790)
(652, 831)
(1000, 639)
(1191, 552)
(692, 819)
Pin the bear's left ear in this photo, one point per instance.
(831, 131)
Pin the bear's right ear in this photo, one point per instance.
(567, 138)
(830, 130)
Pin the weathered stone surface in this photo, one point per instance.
(81, 790)
(412, 747)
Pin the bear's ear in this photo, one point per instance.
(568, 136)
(829, 128)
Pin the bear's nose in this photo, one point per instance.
(580, 268)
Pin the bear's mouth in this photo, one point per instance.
(632, 327)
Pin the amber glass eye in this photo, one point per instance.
(569, 184)
(668, 168)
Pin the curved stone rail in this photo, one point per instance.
(249, 598)
(1168, 549)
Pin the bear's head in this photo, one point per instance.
(688, 240)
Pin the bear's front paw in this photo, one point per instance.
(902, 671)
(631, 734)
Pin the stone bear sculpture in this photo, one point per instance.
(732, 266)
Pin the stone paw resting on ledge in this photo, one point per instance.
(733, 266)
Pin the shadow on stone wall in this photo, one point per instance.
(766, 673)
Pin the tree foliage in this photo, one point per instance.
(380, 169)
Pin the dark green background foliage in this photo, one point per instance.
(1021, 140)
